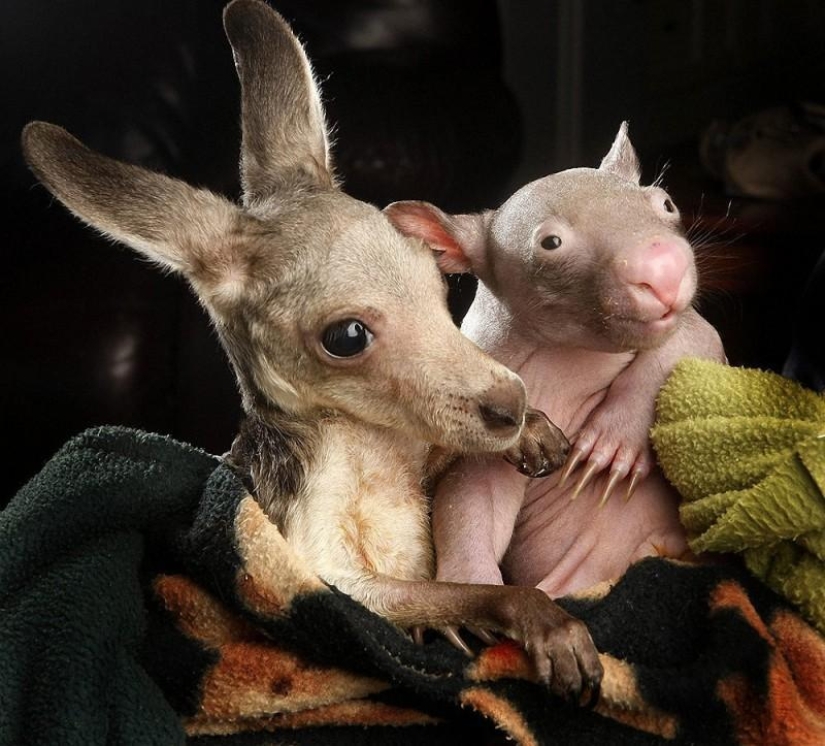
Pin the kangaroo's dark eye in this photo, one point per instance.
(346, 338)
(550, 242)
(669, 206)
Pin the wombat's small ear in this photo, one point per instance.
(456, 240)
(622, 160)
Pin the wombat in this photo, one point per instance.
(586, 285)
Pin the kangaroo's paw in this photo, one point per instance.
(559, 646)
(542, 447)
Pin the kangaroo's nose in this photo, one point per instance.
(497, 417)
(502, 407)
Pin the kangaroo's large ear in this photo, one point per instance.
(179, 227)
(621, 159)
(458, 241)
(285, 144)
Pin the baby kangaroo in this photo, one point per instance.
(348, 363)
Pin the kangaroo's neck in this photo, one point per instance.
(272, 453)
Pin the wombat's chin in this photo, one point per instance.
(632, 334)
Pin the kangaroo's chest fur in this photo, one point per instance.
(346, 496)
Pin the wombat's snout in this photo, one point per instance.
(502, 409)
(658, 270)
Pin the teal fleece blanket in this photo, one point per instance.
(146, 599)
(72, 610)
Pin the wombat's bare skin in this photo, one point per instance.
(534, 533)
(585, 288)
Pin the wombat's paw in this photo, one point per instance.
(542, 447)
(617, 444)
(560, 649)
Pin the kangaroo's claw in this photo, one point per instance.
(542, 447)
(487, 637)
(589, 697)
(452, 634)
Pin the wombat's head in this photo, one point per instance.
(586, 256)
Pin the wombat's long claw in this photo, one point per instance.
(615, 478)
(634, 483)
(592, 469)
(572, 462)
(417, 634)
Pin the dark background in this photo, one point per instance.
(458, 102)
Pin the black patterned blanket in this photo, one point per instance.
(146, 599)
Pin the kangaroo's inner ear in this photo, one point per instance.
(182, 228)
(285, 144)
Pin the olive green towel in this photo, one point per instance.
(746, 450)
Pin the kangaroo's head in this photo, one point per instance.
(319, 302)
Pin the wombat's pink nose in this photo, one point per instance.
(502, 408)
(659, 268)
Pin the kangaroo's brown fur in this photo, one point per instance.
(334, 446)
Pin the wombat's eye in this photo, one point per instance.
(346, 338)
(550, 242)
(669, 206)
